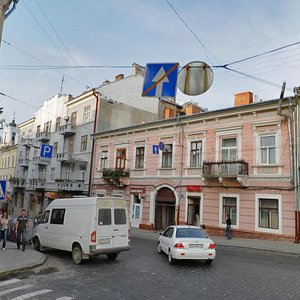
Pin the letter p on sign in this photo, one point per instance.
(46, 151)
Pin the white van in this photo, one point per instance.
(85, 226)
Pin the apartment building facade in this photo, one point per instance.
(198, 168)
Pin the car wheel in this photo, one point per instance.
(209, 261)
(170, 258)
(77, 255)
(159, 251)
(37, 244)
(112, 256)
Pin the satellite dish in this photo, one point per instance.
(195, 78)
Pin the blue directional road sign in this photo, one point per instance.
(155, 149)
(2, 190)
(46, 151)
(160, 80)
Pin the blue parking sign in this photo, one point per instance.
(46, 151)
(2, 190)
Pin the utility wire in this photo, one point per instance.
(47, 35)
(63, 44)
(35, 58)
(193, 33)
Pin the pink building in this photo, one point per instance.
(196, 169)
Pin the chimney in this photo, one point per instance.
(105, 82)
(119, 77)
(138, 70)
(243, 98)
(190, 108)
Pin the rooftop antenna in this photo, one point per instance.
(62, 83)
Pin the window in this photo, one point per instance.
(71, 146)
(120, 216)
(52, 175)
(38, 129)
(57, 216)
(57, 123)
(45, 216)
(104, 217)
(139, 157)
(196, 154)
(103, 160)
(86, 114)
(268, 150)
(268, 213)
(229, 149)
(81, 175)
(229, 208)
(167, 156)
(120, 158)
(169, 232)
(47, 126)
(55, 148)
(83, 145)
(73, 117)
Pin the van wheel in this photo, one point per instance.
(37, 244)
(112, 256)
(77, 255)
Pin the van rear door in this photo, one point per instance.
(120, 228)
(104, 228)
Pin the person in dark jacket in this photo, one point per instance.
(228, 227)
(21, 227)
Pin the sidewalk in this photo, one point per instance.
(282, 247)
(12, 260)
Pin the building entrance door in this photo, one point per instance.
(136, 216)
(193, 213)
(165, 208)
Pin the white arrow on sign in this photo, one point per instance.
(159, 86)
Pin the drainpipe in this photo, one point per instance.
(181, 141)
(288, 118)
(93, 142)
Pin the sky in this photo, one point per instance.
(116, 33)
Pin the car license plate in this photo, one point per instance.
(104, 241)
(198, 246)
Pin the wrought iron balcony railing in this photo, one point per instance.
(225, 168)
(115, 173)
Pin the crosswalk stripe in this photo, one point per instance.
(10, 281)
(65, 298)
(30, 295)
(15, 289)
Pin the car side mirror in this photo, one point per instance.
(160, 233)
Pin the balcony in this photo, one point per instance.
(23, 162)
(226, 170)
(67, 157)
(67, 129)
(118, 177)
(42, 161)
(37, 183)
(43, 136)
(70, 185)
(16, 182)
(26, 142)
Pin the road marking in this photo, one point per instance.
(15, 289)
(30, 295)
(10, 281)
(65, 298)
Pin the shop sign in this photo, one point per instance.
(137, 191)
(194, 188)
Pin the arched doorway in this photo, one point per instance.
(165, 203)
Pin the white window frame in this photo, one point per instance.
(229, 148)
(260, 148)
(268, 196)
(237, 196)
(173, 155)
(233, 132)
(100, 159)
(86, 113)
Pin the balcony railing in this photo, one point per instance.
(23, 162)
(26, 142)
(43, 161)
(37, 183)
(17, 182)
(115, 173)
(70, 185)
(225, 168)
(67, 129)
(43, 136)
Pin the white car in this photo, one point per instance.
(186, 242)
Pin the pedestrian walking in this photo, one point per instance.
(3, 229)
(21, 227)
(228, 227)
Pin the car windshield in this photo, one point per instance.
(190, 233)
